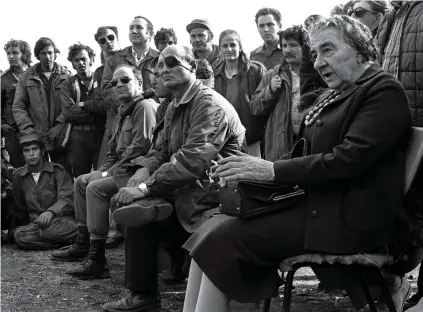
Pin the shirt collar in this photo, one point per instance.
(138, 60)
(48, 166)
(189, 93)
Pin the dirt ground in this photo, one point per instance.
(31, 282)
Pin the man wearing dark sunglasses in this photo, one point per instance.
(370, 13)
(132, 134)
(108, 40)
(200, 126)
(140, 55)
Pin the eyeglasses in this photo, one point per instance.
(124, 80)
(103, 39)
(172, 61)
(359, 12)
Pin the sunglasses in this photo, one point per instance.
(103, 39)
(124, 80)
(359, 12)
(172, 61)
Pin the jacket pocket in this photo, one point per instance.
(361, 211)
(126, 135)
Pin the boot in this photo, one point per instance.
(95, 264)
(76, 252)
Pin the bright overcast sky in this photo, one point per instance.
(67, 22)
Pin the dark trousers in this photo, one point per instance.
(141, 246)
(84, 150)
(61, 158)
(13, 148)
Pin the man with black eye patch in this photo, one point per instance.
(200, 125)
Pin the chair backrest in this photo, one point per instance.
(413, 156)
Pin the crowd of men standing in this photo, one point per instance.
(147, 125)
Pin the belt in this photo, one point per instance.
(85, 127)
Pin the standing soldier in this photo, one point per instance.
(37, 101)
(82, 111)
(19, 57)
(269, 24)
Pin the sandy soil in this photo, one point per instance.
(31, 282)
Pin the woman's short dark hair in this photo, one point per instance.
(163, 34)
(42, 43)
(103, 29)
(266, 11)
(353, 32)
(23, 46)
(78, 47)
(296, 32)
(150, 26)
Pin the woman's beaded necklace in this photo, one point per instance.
(314, 113)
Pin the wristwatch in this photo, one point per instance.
(104, 174)
(143, 188)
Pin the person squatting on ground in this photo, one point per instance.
(19, 57)
(83, 111)
(132, 134)
(36, 106)
(199, 126)
(354, 172)
(43, 195)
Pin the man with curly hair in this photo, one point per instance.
(19, 57)
(37, 101)
(83, 112)
(165, 37)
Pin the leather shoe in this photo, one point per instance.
(143, 211)
(134, 302)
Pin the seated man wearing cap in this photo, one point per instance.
(201, 38)
(199, 126)
(43, 194)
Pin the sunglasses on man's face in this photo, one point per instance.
(103, 39)
(172, 61)
(359, 12)
(124, 80)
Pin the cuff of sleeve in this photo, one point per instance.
(54, 210)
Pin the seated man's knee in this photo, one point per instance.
(94, 187)
(79, 184)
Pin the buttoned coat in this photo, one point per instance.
(354, 174)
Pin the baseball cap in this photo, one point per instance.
(198, 23)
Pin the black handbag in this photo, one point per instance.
(253, 198)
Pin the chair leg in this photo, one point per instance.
(386, 295)
(368, 294)
(266, 307)
(288, 291)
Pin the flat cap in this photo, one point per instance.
(198, 23)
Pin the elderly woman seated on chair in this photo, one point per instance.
(357, 132)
